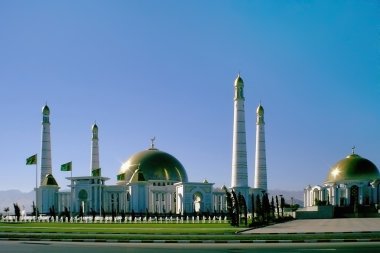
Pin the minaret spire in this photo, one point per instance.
(239, 147)
(46, 167)
(95, 148)
(260, 159)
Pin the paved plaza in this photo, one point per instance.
(321, 226)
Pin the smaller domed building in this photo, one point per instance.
(352, 181)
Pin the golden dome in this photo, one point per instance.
(260, 110)
(153, 164)
(45, 110)
(49, 180)
(353, 167)
(239, 81)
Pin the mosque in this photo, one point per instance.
(152, 180)
(353, 180)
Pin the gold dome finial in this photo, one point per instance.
(152, 142)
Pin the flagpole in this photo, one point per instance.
(71, 192)
(36, 212)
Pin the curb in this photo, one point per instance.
(192, 241)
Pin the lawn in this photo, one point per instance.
(112, 228)
(155, 231)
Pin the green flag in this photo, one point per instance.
(121, 177)
(31, 160)
(96, 172)
(66, 166)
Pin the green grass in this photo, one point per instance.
(131, 228)
(138, 231)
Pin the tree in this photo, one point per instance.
(52, 213)
(6, 210)
(146, 214)
(272, 207)
(266, 207)
(103, 214)
(235, 209)
(229, 205)
(277, 207)
(243, 208)
(122, 215)
(133, 215)
(253, 205)
(93, 213)
(17, 211)
(258, 207)
(282, 205)
(34, 212)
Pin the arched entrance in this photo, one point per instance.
(197, 198)
(354, 195)
(82, 196)
(316, 197)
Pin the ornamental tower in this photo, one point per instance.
(46, 167)
(260, 159)
(239, 148)
(94, 149)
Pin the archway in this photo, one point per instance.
(354, 196)
(316, 197)
(197, 198)
(82, 196)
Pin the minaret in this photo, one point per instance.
(260, 159)
(239, 147)
(46, 167)
(94, 148)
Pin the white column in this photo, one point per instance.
(239, 150)
(46, 167)
(95, 148)
(260, 159)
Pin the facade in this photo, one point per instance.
(352, 181)
(151, 180)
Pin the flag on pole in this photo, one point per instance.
(66, 166)
(121, 177)
(31, 160)
(96, 172)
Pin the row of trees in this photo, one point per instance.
(17, 211)
(263, 211)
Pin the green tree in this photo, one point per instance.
(17, 211)
(258, 206)
(277, 207)
(266, 207)
(6, 210)
(243, 208)
(229, 205)
(235, 209)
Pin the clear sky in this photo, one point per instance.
(166, 69)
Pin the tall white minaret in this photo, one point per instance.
(46, 167)
(239, 146)
(260, 159)
(94, 148)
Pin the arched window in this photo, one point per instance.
(197, 198)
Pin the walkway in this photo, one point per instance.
(321, 226)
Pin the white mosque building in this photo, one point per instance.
(152, 180)
(353, 180)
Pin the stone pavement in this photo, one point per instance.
(321, 226)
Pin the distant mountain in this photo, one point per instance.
(23, 199)
(288, 195)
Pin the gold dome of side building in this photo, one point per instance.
(353, 167)
(152, 164)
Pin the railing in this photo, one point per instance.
(116, 219)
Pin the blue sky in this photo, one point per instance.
(166, 69)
